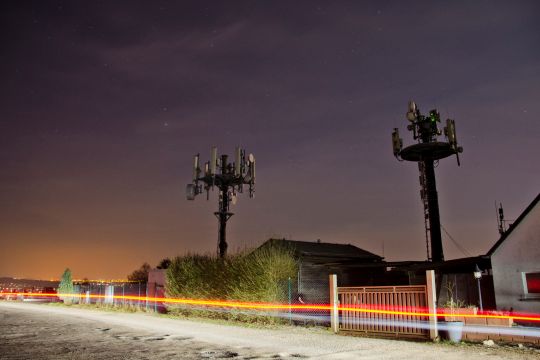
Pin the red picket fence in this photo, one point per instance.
(370, 300)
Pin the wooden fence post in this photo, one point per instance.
(432, 304)
(334, 302)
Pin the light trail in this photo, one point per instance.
(369, 309)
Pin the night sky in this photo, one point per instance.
(104, 103)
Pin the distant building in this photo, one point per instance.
(515, 261)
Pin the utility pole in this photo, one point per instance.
(426, 152)
(230, 180)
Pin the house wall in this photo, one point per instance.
(518, 253)
(313, 283)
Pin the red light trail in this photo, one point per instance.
(409, 311)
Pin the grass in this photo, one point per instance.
(106, 307)
(222, 321)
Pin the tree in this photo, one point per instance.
(141, 274)
(66, 287)
(164, 263)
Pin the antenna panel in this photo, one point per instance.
(397, 143)
(238, 162)
(213, 161)
(196, 169)
(252, 168)
(451, 132)
(191, 191)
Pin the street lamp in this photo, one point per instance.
(478, 275)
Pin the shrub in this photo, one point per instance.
(197, 276)
(263, 275)
(260, 276)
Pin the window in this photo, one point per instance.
(532, 281)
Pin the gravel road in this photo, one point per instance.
(32, 331)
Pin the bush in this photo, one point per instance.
(198, 276)
(260, 276)
(263, 275)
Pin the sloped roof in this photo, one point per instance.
(326, 250)
(514, 225)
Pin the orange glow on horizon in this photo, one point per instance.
(409, 311)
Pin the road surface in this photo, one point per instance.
(40, 331)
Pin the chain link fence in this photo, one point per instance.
(293, 292)
(116, 294)
(310, 290)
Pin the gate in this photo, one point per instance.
(371, 310)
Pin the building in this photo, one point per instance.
(515, 261)
(317, 260)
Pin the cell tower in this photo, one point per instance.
(425, 153)
(229, 178)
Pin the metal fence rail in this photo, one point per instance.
(386, 298)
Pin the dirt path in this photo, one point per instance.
(30, 331)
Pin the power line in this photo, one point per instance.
(460, 248)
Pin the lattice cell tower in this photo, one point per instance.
(229, 178)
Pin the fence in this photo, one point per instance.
(391, 300)
(311, 291)
(289, 293)
(106, 293)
